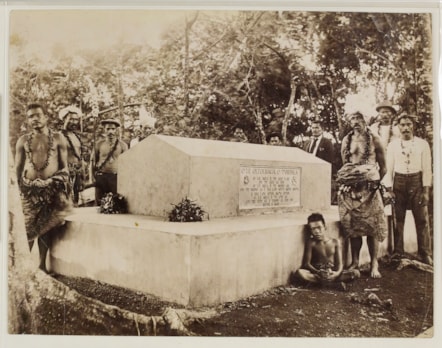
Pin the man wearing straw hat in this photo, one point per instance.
(71, 126)
(387, 130)
(107, 151)
(385, 127)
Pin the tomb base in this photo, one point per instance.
(192, 264)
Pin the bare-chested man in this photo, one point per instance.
(43, 178)
(361, 209)
(71, 126)
(323, 262)
(107, 152)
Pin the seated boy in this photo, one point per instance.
(323, 262)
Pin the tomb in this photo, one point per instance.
(228, 179)
(258, 198)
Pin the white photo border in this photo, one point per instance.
(13, 341)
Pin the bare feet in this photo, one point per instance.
(397, 256)
(43, 268)
(353, 266)
(428, 260)
(374, 271)
(356, 274)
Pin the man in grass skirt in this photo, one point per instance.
(361, 208)
(43, 180)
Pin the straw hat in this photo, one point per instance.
(386, 104)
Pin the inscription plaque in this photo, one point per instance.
(269, 187)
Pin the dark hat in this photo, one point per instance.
(386, 104)
(272, 135)
(111, 121)
(405, 115)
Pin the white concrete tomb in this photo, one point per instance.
(226, 178)
(258, 198)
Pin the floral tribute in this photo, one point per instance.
(113, 203)
(186, 211)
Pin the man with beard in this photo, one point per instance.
(361, 209)
(408, 179)
(71, 126)
(43, 179)
(107, 151)
(385, 128)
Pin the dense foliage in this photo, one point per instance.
(262, 71)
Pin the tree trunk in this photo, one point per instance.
(50, 301)
(39, 304)
(258, 120)
(19, 259)
(293, 88)
(338, 116)
(120, 95)
(186, 76)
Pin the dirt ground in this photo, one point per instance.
(400, 304)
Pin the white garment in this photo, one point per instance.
(408, 157)
(385, 133)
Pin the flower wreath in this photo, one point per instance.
(113, 203)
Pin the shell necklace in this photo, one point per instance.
(390, 131)
(365, 155)
(407, 151)
(48, 154)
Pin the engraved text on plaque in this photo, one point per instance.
(269, 187)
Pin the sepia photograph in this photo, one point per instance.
(222, 172)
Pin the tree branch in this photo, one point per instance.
(116, 107)
(374, 54)
(279, 54)
(210, 46)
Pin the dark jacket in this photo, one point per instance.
(325, 150)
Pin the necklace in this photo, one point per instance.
(390, 132)
(366, 153)
(48, 154)
(407, 151)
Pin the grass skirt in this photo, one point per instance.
(361, 209)
(45, 207)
